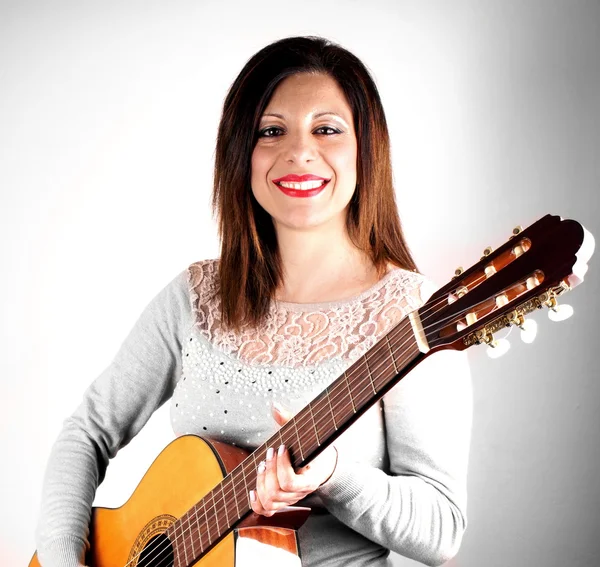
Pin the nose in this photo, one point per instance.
(300, 147)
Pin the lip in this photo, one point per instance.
(293, 178)
(302, 192)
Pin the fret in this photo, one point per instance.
(370, 377)
(323, 416)
(208, 523)
(225, 504)
(349, 391)
(214, 507)
(190, 536)
(330, 408)
(287, 439)
(312, 417)
(176, 539)
(251, 476)
(246, 491)
(341, 400)
(391, 354)
(233, 489)
(293, 424)
(380, 366)
(306, 429)
(183, 540)
(196, 528)
(360, 389)
(201, 524)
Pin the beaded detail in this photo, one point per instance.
(229, 400)
(305, 335)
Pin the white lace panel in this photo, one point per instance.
(295, 335)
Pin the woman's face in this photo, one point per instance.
(299, 141)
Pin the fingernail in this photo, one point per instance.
(269, 453)
(277, 407)
(252, 496)
(261, 467)
(281, 450)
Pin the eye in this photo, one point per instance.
(262, 133)
(334, 130)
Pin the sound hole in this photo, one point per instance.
(158, 552)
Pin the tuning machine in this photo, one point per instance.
(487, 252)
(516, 231)
(557, 312)
(496, 347)
(528, 327)
(458, 272)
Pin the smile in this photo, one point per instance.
(304, 189)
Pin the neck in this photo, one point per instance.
(321, 265)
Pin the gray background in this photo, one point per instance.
(108, 117)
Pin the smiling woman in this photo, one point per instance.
(269, 342)
(303, 143)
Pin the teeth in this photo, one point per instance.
(304, 185)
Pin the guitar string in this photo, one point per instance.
(166, 547)
(232, 474)
(217, 501)
(232, 479)
(208, 517)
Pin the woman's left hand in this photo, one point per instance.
(278, 485)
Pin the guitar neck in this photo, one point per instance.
(309, 432)
(339, 405)
(530, 270)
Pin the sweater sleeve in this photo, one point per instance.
(419, 509)
(116, 405)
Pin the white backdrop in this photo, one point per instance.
(108, 119)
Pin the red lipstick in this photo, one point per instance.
(301, 192)
(293, 178)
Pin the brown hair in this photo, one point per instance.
(250, 268)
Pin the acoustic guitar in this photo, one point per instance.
(192, 505)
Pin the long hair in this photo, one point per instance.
(250, 267)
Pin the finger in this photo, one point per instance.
(267, 486)
(272, 496)
(259, 496)
(287, 478)
(281, 414)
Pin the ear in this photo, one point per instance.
(281, 414)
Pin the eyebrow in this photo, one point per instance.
(318, 115)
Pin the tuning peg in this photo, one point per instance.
(560, 312)
(557, 312)
(458, 272)
(528, 327)
(496, 348)
(517, 230)
(487, 252)
(528, 331)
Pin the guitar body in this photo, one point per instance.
(184, 472)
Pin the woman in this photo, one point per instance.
(311, 275)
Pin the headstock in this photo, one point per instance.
(529, 271)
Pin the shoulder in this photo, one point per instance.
(202, 276)
(417, 288)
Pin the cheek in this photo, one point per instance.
(259, 164)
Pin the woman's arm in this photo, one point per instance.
(141, 377)
(419, 509)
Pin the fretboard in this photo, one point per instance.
(310, 431)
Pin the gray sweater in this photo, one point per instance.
(400, 481)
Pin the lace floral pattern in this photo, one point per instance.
(295, 335)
